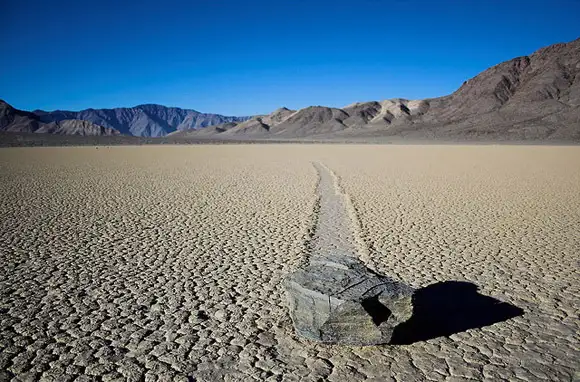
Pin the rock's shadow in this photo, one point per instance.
(450, 307)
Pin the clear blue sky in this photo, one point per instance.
(242, 57)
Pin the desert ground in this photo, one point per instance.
(166, 262)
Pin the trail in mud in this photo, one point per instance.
(336, 230)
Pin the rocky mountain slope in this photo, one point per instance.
(530, 97)
(14, 120)
(143, 120)
(76, 127)
(18, 121)
(534, 97)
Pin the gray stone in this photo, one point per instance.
(336, 299)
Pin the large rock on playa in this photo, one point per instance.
(338, 300)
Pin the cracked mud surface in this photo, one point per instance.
(163, 263)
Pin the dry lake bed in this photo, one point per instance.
(166, 262)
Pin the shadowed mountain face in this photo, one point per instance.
(142, 120)
(75, 127)
(18, 121)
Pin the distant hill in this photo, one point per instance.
(143, 120)
(18, 121)
(534, 97)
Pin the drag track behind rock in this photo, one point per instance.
(337, 230)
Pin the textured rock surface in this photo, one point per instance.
(336, 299)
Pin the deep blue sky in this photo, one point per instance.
(241, 57)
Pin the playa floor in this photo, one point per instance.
(167, 262)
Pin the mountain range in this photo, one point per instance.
(141, 121)
(535, 97)
(19, 121)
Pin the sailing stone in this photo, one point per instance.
(337, 299)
